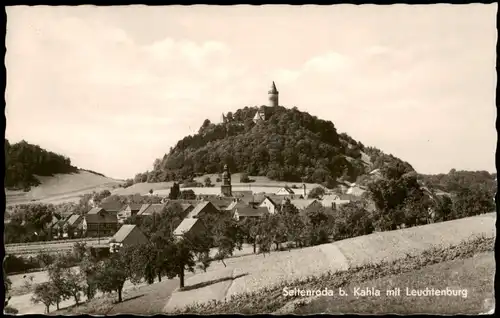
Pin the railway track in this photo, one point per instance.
(52, 246)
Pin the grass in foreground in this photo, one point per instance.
(475, 274)
(271, 299)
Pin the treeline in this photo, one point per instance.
(455, 181)
(24, 160)
(289, 146)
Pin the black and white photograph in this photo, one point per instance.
(250, 159)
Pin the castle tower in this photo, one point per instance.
(273, 96)
(225, 188)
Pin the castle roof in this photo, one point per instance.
(273, 89)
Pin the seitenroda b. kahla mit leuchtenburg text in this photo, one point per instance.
(374, 292)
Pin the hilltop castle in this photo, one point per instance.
(273, 93)
(260, 115)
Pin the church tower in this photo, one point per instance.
(273, 96)
(225, 188)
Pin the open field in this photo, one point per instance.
(62, 188)
(254, 272)
(475, 274)
(261, 184)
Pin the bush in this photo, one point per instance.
(244, 178)
(16, 264)
(192, 184)
(10, 310)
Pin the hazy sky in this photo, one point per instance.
(114, 88)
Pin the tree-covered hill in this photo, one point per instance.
(23, 161)
(289, 145)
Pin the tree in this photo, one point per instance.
(181, 255)
(187, 195)
(316, 193)
(113, 273)
(227, 238)
(320, 226)
(473, 201)
(294, 223)
(79, 250)
(174, 191)
(244, 178)
(391, 193)
(443, 210)
(46, 294)
(89, 269)
(351, 220)
(58, 277)
(250, 231)
(416, 211)
(208, 182)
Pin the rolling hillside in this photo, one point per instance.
(62, 188)
(258, 184)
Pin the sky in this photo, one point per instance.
(114, 88)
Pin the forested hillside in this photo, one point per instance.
(289, 145)
(23, 161)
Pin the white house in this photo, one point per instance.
(285, 191)
(271, 206)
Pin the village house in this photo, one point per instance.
(181, 201)
(185, 205)
(205, 207)
(327, 203)
(100, 223)
(74, 223)
(57, 229)
(242, 213)
(270, 205)
(129, 211)
(285, 191)
(112, 206)
(150, 209)
(242, 194)
(219, 202)
(236, 203)
(189, 226)
(306, 205)
(127, 235)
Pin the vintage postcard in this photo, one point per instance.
(243, 159)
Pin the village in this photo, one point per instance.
(106, 220)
